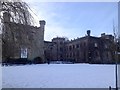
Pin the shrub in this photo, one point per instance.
(37, 60)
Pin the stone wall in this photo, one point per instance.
(18, 36)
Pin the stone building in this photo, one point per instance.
(48, 46)
(91, 49)
(58, 50)
(88, 49)
(55, 50)
(22, 41)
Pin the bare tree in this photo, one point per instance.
(116, 50)
(19, 12)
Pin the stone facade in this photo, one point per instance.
(48, 46)
(58, 50)
(86, 49)
(55, 50)
(18, 38)
(90, 49)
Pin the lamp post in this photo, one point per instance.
(116, 70)
(116, 55)
(116, 65)
(57, 48)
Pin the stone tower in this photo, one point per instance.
(20, 38)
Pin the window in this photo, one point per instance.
(107, 54)
(84, 54)
(73, 54)
(70, 48)
(51, 48)
(61, 56)
(84, 43)
(80, 44)
(67, 55)
(77, 46)
(106, 46)
(70, 54)
(61, 43)
(96, 45)
(61, 49)
(96, 53)
(77, 53)
(24, 52)
(73, 46)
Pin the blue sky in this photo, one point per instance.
(73, 19)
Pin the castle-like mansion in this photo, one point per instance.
(25, 41)
(88, 49)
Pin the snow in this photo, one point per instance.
(58, 76)
(119, 75)
(0, 77)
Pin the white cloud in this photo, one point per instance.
(52, 28)
(54, 31)
(56, 27)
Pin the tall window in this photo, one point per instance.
(97, 53)
(61, 42)
(70, 48)
(96, 45)
(84, 43)
(73, 46)
(70, 54)
(61, 49)
(77, 46)
(24, 52)
(106, 46)
(80, 44)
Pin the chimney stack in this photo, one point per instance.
(88, 32)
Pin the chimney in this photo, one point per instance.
(88, 32)
(103, 34)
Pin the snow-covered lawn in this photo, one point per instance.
(58, 76)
